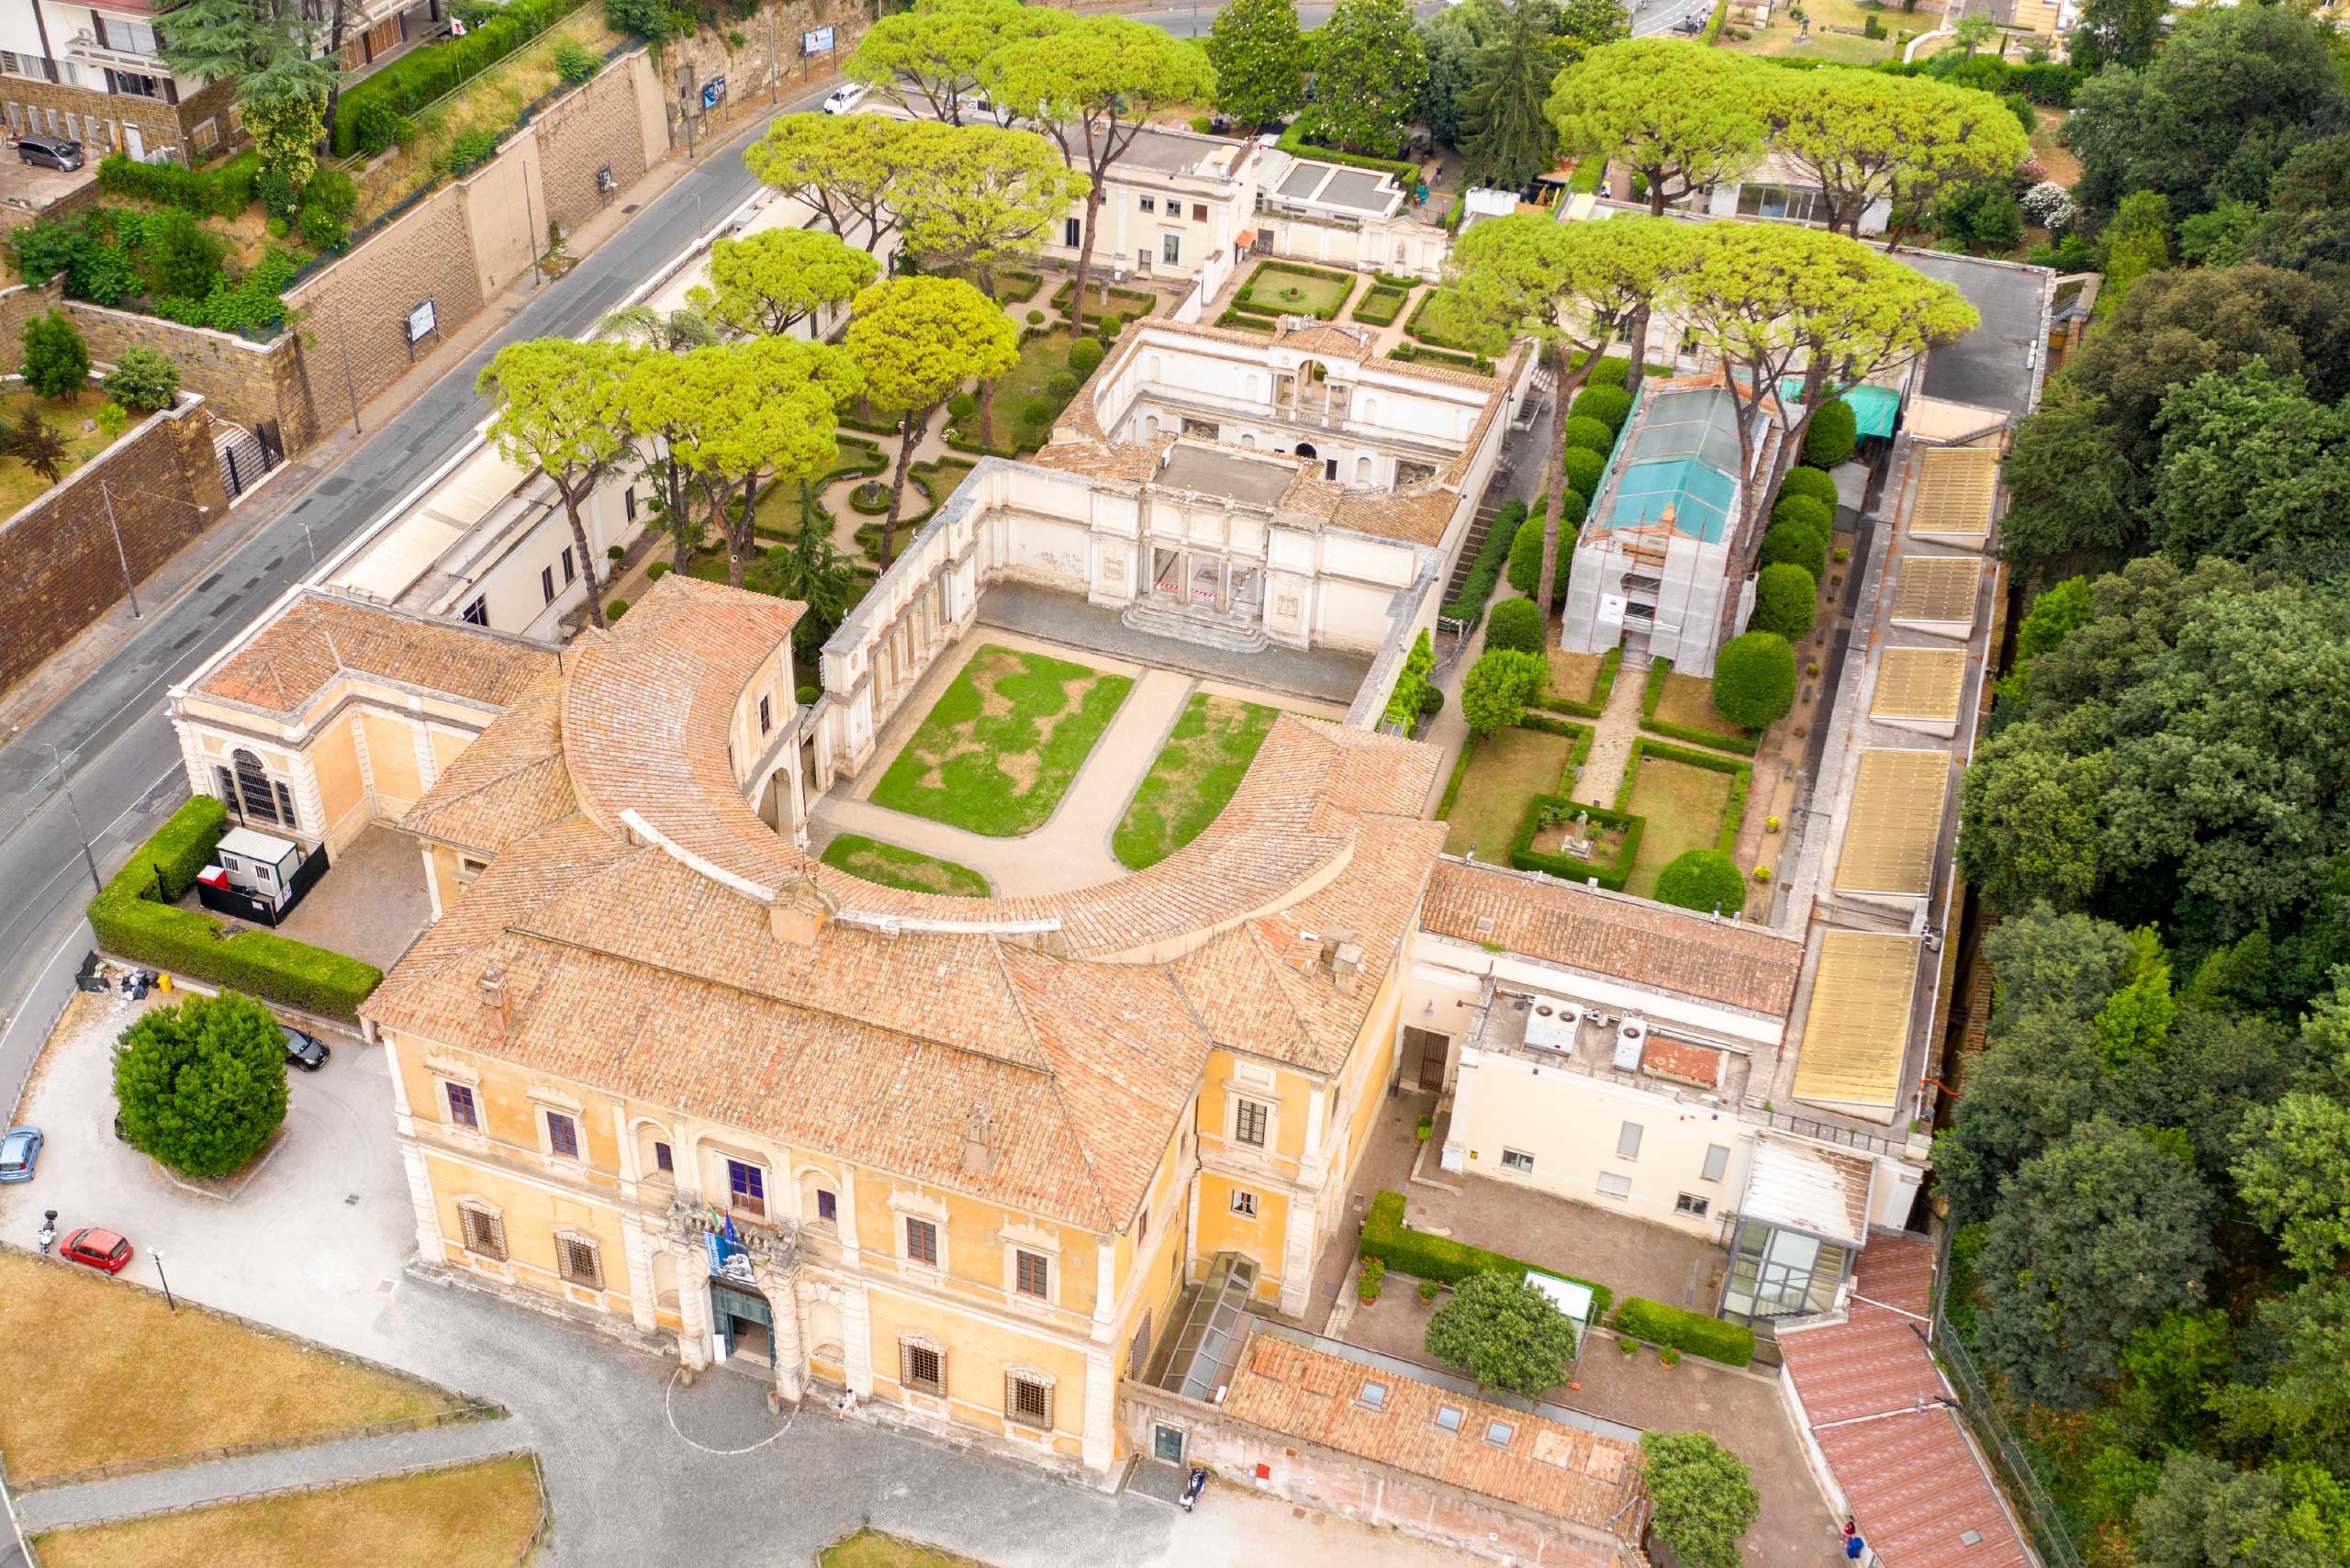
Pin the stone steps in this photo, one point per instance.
(243, 461)
(1183, 625)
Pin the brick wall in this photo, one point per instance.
(58, 569)
(594, 128)
(246, 383)
(1357, 1488)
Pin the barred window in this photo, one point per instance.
(485, 1233)
(1248, 1122)
(578, 1260)
(1028, 1401)
(922, 1366)
(921, 1242)
(1031, 1274)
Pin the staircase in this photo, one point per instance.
(1479, 526)
(1192, 626)
(242, 458)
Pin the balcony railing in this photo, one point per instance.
(84, 46)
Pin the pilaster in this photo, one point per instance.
(1101, 1444)
(693, 1308)
(787, 1342)
(1297, 1257)
(428, 1241)
(856, 1337)
(640, 1290)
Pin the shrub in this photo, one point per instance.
(1795, 544)
(202, 1083)
(1425, 1257)
(1808, 510)
(1431, 701)
(1367, 1284)
(1611, 406)
(1429, 1289)
(657, 570)
(57, 361)
(113, 420)
(1754, 679)
(1526, 549)
(322, 231)
(808, 695)
(646, 18)
(470, 150)
(332, 191)
(1784, 599)
(1702, 880)
(1411, 682)
(614, 609)
(1584, 468)
(374, 128)
(1035, 317)
(1731, 1344)
(1061, 386)
(1084, 357)
(424, 73)
(961, 407)
(1498, 687)
(1615, 370)
(1833, 435)
(615, 552)
(276, 191)
(1809, 483)
(574, 62)
(145, 379)
(1591, 434)
(1515, 623)
(182, 260)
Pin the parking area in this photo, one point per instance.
(26, 192)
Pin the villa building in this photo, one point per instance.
(94, 74)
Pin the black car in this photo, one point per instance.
(50, 152)
(305, 1051)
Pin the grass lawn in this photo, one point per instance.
(1782, 37)
(1573, 676)
(19, 485)
(1684, 807)
(1040, 356)
(147, 1383)
(780, 514)
(1508, 768)
(998, 749)
(472, 1516)
(871, 1549)
(1193, 774)
(908, 869)
(1299, 294)
(1689, 700)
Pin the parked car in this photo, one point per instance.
(50, 152)
(305, 1051)
(845, 98)
(19, 1150)
(98, 1249)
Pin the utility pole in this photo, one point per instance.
(530, 228)
(342, 340)
(81, 833)
(128, 587)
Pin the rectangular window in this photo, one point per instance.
(462, 1110)
(767, 716)
(1199, 212)
(286, 805)
(1249, 1121)
(1245, 1204)
(1373, 1396)
(570, 567)
(1073, 233)
(922, 1368)
(1027, 1402)
(1031, 1274)
(1499, 1433)
(546, 583)
(1628, 1141)
(628, 503)
(828, 1207)
(921, 1242)
(747, 1187)
(1150, 204)
(1448, 1417)
(562, 1136)
(1170, 249)
(1613, 1186)
(663, 1159)
(483, 1232)
(1717, 1162)
(579, 1261)
(1691, 1205)
(478, 612)
(1518, 1159)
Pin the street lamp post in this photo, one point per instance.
(81, 833)
(169, 1300)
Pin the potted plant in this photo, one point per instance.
(1629, 1345)
(1373, 1275)
(1669, 1356)
(1429, 1289)
(1427, 1127)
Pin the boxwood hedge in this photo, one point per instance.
(1424, 1257)
(1694, 1333)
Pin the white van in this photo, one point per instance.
(845, 98)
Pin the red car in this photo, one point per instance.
(98, 1249)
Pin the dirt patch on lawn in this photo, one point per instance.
(1573, 676)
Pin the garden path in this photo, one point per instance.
(1612, 736)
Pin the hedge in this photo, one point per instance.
(1469, 607)
(1741, 779)
(1293, 141)
(1234, 316)
(131, 921)
(1066, 296)
(1412, 327)
(1745, 742)
(1811, 484)
(1600, 688)
(1692, 1333)
(1246, 299)
(1379, 307)
(1612, 876)
(1410, 353)
(1403, 1250)
(223, 192)
(422, 75)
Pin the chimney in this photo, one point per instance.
(979, 1140)
(1346, 967)
(495, 999)
(799, 913)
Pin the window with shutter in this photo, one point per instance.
(484, 1232)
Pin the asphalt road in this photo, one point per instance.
(121, 761)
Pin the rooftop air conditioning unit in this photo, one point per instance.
(1631, 1038)
(1550, 1026)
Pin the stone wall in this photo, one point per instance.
(199, 121)
(59, 567)
(751, 88)
(355, 312)
(246, 383)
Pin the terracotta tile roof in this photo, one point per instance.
(1869, 1388)
(509, 783)
(1739, 964)
(319, 635)
(1545, 1465)
(1682, 1062)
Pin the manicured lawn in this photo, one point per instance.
(908, 869)
(1573, 676)
(1194, 774)
(1040, 356)
(871, 1549)
(779, 513)
(1508, 768)
(1688, 699)
(19, 485)
(472, 1516)
(998, 749)
(1684, 807)
(1297, 293)
(1783, 37)
(94, 1371)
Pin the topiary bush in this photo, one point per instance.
(1809, 511)
(1615, 370)
(1703, 880)
(961, 407)
(1526, 549)
(1584, 469)
(1611, 406)
(1593, 435)
(1784, 598)
(657, 570)
(1834, 433)
(1755, 681)
(1810, 484)
(202, 1083)
(1516, 623)
(1795, 543)
(1061, 385)
(142, 378)
(1084, 357)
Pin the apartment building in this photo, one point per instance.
(94, 74)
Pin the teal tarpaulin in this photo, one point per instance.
(1874, 406)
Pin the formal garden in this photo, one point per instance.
(1194, 774)
(998, 748)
